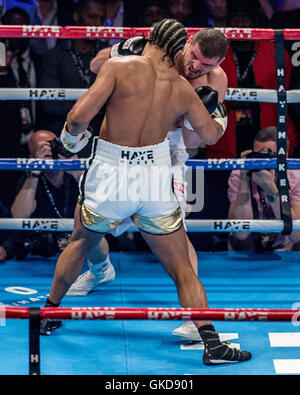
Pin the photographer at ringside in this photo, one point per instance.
(45, 194)
(254, 195)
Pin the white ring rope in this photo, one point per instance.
(233, 94)
(201, 225)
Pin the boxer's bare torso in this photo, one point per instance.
(144, 96)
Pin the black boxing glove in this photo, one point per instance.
(217, 110)
(132, 46)
(209, 97)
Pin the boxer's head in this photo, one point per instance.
(203, 52)
(170, 35)
(90, 12)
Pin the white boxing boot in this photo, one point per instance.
(187, 331)
(97, 275)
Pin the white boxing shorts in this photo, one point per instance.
(133, 182)
(179, 156)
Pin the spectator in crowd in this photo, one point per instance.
(114, 13)
(152, 11)
(28, 6)
(282, 13)
(114, 16)
(245, 67)
(254, 195)
(286, 15)
(48, 13)
(217, 11)
(67, 66)
(45, 194)
(7, 237)
(2, 9)
(188, 12)
(17, 118)
(45, 13)
(294, 108)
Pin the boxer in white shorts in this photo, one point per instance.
(144, 96)
(124, 182)
(202, 69)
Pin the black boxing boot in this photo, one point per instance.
(216, 352)
(48, 325)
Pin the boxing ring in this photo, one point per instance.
(258, 290)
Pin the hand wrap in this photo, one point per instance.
(74, 143)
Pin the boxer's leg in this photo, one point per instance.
(100, 271)
(172, 251)
(71, 259)
(68, 267)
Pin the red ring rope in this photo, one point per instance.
(116, 313)
(37, 31)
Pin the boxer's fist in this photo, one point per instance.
(74, 143)
(132, 46)
(209, 97)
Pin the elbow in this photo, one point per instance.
(207, 140)
(13, 212)
(94, 66)
(215, 136)
(18, 213)
(98, 62)
(211, 140)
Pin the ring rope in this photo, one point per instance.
(110, 313)
(233, 94)
(193, 225)
(120, 32)
(159, 313)
(59, 32)
(25, 164)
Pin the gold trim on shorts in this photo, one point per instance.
(163, 225)
(96, 222)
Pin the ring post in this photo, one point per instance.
(34, 341)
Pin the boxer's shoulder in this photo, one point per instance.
(217, 76)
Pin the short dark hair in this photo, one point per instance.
(7, 17)
(170, 35)
(268, 134)
(212, 43)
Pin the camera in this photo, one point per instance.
(265, 153)
(57, 148)
(37, 243)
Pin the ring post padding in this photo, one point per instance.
(34, 341)
(282, 179)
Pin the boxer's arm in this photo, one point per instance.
(219, 82)
(191, 139)
(101, 57)
(89, 104)
(131, 46)
(202, 123)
